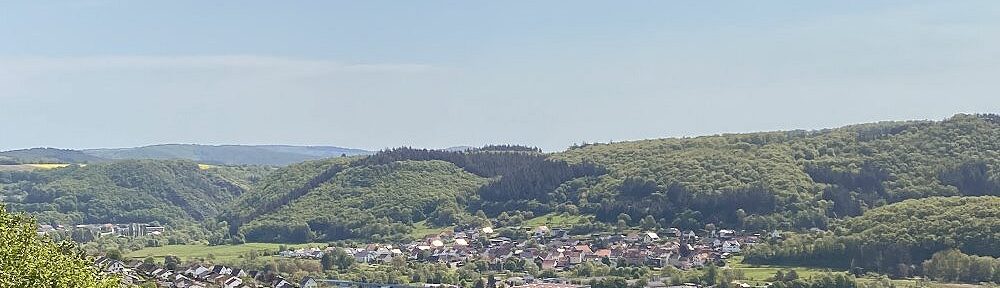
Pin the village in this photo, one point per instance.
(550, 249)
(555, 249)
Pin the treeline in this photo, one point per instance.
(895, 239)
(508, 148)
(954, 266)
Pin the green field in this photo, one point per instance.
(420, 230)
(554, 220)
(758, 274)
(220, 252)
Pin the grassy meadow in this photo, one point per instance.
(554, 220)
(421, 229)
(219, 252)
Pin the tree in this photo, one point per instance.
(711, 275)
(113, 253)
(791, 275)
(171, 262)
(741, 217)
(548, 273)
(336, 259)
(778, 276)
(29, 261)
(648, 223)
(531, 268)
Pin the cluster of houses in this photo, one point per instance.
(125, 229)
(554, 249)
(196, 276)
(547, 248)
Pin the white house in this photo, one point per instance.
(731, 247)
(308, 282)
(650, 237)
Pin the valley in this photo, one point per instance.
(829, 204)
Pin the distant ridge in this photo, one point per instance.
(209, 154)
(47, 155)
(228, 154)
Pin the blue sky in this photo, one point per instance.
(376, 74)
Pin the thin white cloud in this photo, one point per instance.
(98, 63)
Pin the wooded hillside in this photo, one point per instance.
(120, 192)
(790, 180)
(896, 238)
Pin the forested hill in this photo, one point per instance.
(792, 179)
(754, 181)
(770, 180)
(120, 192)
(896, 238)
(383, 196)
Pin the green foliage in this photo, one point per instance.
(245, 176)
(140, 191)
(753, 181)
(954, 266)
(792, 179)
(281, 187)
(336, 259)
(29, 261)
(891, 238)
(371, 202)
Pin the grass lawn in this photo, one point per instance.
(554, 220)
(758, 274)
(220, 252)
(421, 229)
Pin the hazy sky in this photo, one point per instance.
(375, 74)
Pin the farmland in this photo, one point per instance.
(29, 167)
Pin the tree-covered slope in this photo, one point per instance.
(281, 187)
(753, 181)
(119, 192)
(799, 178)
(906, 233)
(370, 202)
(26, 260)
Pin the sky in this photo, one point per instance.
(378, 74)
